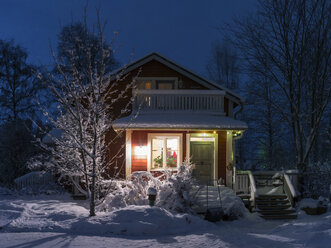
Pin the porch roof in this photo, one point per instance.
(179, 121)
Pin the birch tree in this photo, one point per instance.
(85, 99)
(288, 43)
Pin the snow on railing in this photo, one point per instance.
(245, 183)
(179, 100)
(290, 189)
(293, 175)
(33, 178)
(252, 186)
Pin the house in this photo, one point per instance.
(177, 114)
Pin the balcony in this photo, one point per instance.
(177, 101)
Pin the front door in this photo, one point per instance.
(202, 155)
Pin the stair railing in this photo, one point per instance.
(252, 189)
(241, 184)
(289, 190)
(245, 183)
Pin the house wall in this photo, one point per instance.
(139, 138)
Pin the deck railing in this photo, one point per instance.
(242, 182)
(245, 184)
(206, 101)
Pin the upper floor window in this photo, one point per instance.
(144, 84)
(159, 83)
(165, 84)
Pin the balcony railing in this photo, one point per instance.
(203, 101)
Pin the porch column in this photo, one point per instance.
(128, 153)
(229, 159)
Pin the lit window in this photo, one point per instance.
(148, 85)
(165, 84)
(158, 83)
(165, 152)
(144, 85)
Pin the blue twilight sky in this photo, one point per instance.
(182, 30)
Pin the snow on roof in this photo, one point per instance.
(179, 121)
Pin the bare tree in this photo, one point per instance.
(18, 87)
(288, 43)
(223, 66)
(85, 101)
(73, 39)
(266, 123)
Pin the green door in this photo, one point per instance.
(202, 154)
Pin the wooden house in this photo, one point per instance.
(177, 114)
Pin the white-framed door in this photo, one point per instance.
(202, 148)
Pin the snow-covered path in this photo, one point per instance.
(56, 221)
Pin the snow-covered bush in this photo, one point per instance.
(317, 180)
(232, 205)
(5, 191)
(172, 190)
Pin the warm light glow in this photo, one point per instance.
(214, 132)
(140, 150)
(202, 139)
(236, 133)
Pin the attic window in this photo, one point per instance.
(159, 83)
(165, 84)
(144, 84)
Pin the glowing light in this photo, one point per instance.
(214, 132)
(236, 133)
(140, 150)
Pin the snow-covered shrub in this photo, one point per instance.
(314, 207)
(232, 205)
(172, 190)
(5, 191)
(317, 180)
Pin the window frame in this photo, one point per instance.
(164, 136)
(154, 81)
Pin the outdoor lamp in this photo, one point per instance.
(152, 196)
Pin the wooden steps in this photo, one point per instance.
(275, 207)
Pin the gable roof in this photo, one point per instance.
(163, 60)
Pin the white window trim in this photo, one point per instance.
(149, 149)
(154, 79)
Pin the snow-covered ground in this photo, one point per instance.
(58, 221)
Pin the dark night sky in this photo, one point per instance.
(182, 30)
